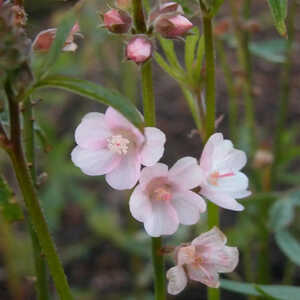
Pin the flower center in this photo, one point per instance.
(213, 178)
(162, 193)
(117, 143)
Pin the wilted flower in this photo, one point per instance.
(202, 260)
(117, 21)
(163, 198)
(109, 144)
(45, 38)
(139, 49)
(223, 182)
(172, 26)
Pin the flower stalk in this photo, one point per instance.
(26, 184)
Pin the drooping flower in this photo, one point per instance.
(139, 49)
(163, 198)
(223, 182)
(165, 8)
(108, 144)
(44, 40)
(202, 260)
(117, 21)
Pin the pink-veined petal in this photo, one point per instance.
(208, 151)
(186, 174)
(116, 121)
(149, 173)
(92, 132)
(221, 199)
(127, 174)
(188, 206)
(237, 182)
(211, 238)
(177, 280)
(208, 277)
(186, 255)
(139, 204)
(94, 163)
(153, 148)
(162, 221)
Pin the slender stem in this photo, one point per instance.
(39, 260)
(139, 17)
(212, 209)
(31, 199)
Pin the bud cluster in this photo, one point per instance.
(166, 19)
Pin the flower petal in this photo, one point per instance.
(92, 132)
(126, 175)
(208, 151)
(139, 204)
(221, 199)
(153, 148)
(177, 280)
(210, 238)
(234, 161)
(208, 277)
(149, 173)
(237, 182)
(188, 206)
(116, 121)
(162, 221)
(186, 255)
(94, 163)
(186, 173)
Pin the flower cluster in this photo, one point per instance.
(108, 144)
(166, 19)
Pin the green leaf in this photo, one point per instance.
(279, 14)
(289, 246)
(199, 59)
(189, 51)
(280, 292)
(281, 214)
(62, 34)
(95, 92)
(11, 210)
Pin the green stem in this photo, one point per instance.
(39, 260)
(139, 17)
(31, 199)
(212, 209)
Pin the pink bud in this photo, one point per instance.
(172, 26)
(139, 49)
(117, 21)
(166, 8)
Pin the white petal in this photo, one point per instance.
(126, 175)
(156, 171)
(208, 277)
(210, 238)
(162, 221)
(92, 132)
(94, 163)
(71, 47)
(221, 199)
(240, 194)
(186, 255)
(153, 148)
(188, 206)
(139, 204)
(186, 173)
(206, 159)
(116, 121)
(237, 182)
(222, 150)
(234, 161)
(177, 280)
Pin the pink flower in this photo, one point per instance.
(109, 144)
(139, 49)
(165, 8)
(223, 182)
(172, 26)
(163, 198)
(117, 21)
(44, 40)
(202, 260)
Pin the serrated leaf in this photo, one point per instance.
(280, 292)
(10, 209)
(279, 14)
(62, 34)
(95, 92)
(289, 246)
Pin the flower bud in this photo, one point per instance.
(117, 21)
(139, 49)
(172, 26)
(166, 8)
(263, 158)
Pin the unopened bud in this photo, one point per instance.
(124, 4)
(139, 49)
(263, 158)
(166, 8)
(172, 26)
(117, 21)
(45, 38)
